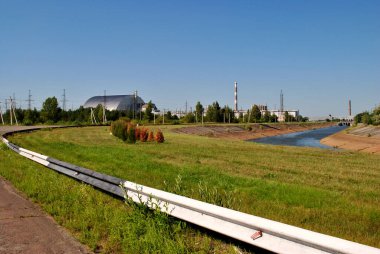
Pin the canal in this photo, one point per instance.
(310, 138)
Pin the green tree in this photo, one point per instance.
(50, 110)
(198, 111)
(148, 115)
(266, 117)
(366, 118)
(273, 118)
(286, 116)
(214, 113)
(188, 118)
(30, 117)
(256, 114)
(376, 116)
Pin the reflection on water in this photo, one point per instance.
(310, 138)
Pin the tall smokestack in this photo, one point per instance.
(281, 102)
(349, 107)
(236, 99)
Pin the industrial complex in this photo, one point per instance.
(280, 113)
(136, 104)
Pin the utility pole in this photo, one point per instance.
(186, 108)
(104, 108)
(134, 104)
(13, 105)
(14, 101)
(93, 119)
(1, 114)
(64, 100)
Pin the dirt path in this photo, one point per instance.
(25, 228)
(363, 139)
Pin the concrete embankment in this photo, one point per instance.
(361, 138)
(249, 131)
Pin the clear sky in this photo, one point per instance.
(320, 53)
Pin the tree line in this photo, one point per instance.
(369, 117)
(51, 113)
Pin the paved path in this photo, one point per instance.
(25, 228)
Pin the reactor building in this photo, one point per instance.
(116, 102)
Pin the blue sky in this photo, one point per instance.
(320, 53)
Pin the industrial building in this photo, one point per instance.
(280, 113)
(116, 102)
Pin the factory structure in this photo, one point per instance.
(280, 113)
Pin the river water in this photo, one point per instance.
(310, 138)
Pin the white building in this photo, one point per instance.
(281, 114)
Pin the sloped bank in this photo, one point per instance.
(361, 138)
(249, 131)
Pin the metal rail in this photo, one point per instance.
(267, 234)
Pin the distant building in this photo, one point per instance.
(116, 102)
(281, 114)
(155, 111)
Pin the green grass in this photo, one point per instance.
(331, 192)
(104, 223)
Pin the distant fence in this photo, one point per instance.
(263, 233)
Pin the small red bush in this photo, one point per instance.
(151, 136)
(143, 135)
(159, 137)
(137, 133)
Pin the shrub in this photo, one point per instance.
(159, 137)
(151, 136)
(118, 129)
(143, 135)
(131, 134)
(137, 133)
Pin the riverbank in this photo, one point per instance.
(361, 138)
(249, 131)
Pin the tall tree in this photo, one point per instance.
(214, 113)
(148, 115)
(198, 111)
(256, 114)
(50, 110)
(266, 117)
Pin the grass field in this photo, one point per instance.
(331, 192)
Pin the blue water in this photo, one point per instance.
(310, 138)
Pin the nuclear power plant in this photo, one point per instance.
(280, 113)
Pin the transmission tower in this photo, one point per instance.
(29, 100)
(64, 100)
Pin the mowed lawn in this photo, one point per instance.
(332, 192)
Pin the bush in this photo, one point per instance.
(159, 137)
(131, 134)
(118, 129)
(137, 133)
(143, 135)
(151, 136)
